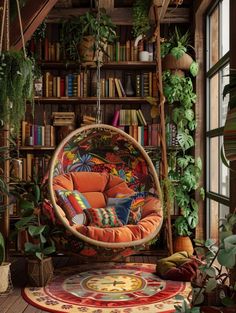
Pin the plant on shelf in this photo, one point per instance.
(174, 52)
(83, 35)
(16, 79)
(186, 170)
(141, 22)
(37, 230)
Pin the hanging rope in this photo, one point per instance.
(21, 28)
(3, 23)
(98, 71)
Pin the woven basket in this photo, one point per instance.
(40, 272)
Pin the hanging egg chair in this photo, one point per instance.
(102, 162)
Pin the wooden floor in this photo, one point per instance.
(14, 303)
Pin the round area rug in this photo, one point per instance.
(107, 288)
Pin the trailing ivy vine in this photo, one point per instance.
(186, 171)
(16, 81)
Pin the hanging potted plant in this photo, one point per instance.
(84, 35)
(16, 79)
(175, 53)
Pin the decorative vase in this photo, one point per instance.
(40, 272)
(129, 90)
(183, 243)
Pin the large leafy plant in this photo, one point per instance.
(141, 21)
(186, 170)
(30, 200)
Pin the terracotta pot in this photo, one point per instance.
(183, 63)
(40, 272)
(183, 243)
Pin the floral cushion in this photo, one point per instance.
(102, 217)
(72, 202)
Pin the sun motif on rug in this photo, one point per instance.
(112, 288)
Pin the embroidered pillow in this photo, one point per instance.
(102, 217)
(122, 206)
(73, 203)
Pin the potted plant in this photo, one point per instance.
(174, 53)
(35, 227)
(16, 79)
(185, 170)
(87, 34)
(213, 284)
(5, 282)
(140, 16)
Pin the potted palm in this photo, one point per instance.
(37, 232)
(84, 35)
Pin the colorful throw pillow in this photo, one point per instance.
(72, 202)
(138, 200)
(122, 206)
(102, 217)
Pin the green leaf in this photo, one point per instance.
(36, 230)
(185, 140)
(211, 284)
(211, 273)
(194, 68)
(227, 301)
(49, 250)
(39, 255)
(189, 114)
(24, 222)
(202, 193)
(26, 204)
(194, 204)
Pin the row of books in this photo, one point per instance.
(84, 84)
(37, 135)
(51, 49)
(148, 135)
(171, 134)
(26, 167)
(129, 117)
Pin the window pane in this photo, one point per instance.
(224, 102)
(224, 210)
(213, 219)
(225, 27)
(214, 36)
(214, 164)
(224, 176)
(214, 101)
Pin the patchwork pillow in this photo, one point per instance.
(102, 217)
(73, 203)
(122, 206)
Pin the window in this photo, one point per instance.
(217, 180)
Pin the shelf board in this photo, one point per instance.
(91, 100)
(109, 65)
(26, 148)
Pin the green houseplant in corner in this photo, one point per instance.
(84, 35)
(36, 230)
(186, 170)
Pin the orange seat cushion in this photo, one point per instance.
(97, 187)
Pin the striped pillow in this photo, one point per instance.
(102, 217)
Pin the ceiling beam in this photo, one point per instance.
(122, 16)
(32, 15)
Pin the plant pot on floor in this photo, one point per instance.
(183, 243)
(40, 272)
(5, 281)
